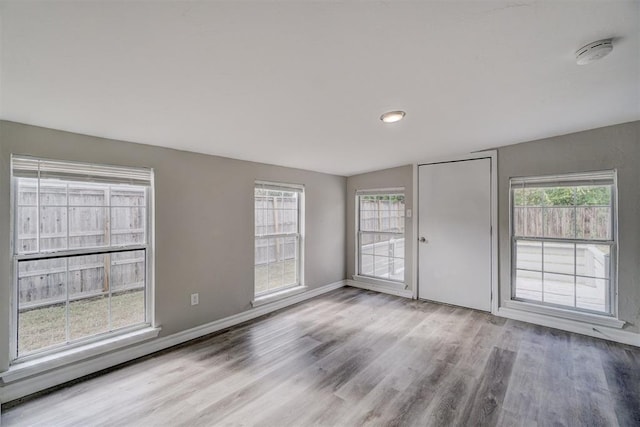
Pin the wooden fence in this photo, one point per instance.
(73, 216)
(585, 222)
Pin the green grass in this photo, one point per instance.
(275, 277)
(45, 326)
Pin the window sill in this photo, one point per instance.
(379, 282)
(278, 295)
(588, 318)
(24, 369)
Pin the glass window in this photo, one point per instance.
(563, 241)
(277, 237)
(381, 235)
(81, 251)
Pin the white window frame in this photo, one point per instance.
(575, 313)
(298, 286)
(93, 344)
(359, 233)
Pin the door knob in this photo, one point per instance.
(422, 240)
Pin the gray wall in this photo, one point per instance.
(613, 147)
(388, 178)
(204, 222)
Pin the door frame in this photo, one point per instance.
(493, 156)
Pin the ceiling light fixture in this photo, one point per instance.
(593, 51)
(392, 116)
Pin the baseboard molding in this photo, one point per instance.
(36, 383)
(611, 334)
(406, 293)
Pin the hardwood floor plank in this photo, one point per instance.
(354, 357)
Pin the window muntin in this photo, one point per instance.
(81, 252)
(381, 235)
(563, 241)
(277, 237)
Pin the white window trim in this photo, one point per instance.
(299, 287)
(46, 359)
(605, 319)
(377, 281)
(27, 366)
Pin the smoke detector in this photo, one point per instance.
(593, 51)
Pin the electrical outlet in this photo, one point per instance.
(195, 299)
(409, 213)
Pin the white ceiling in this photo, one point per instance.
(303, 83)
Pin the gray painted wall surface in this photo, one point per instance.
(204, 222)
(613, 147)
(401, 176)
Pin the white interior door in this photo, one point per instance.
(455, 222)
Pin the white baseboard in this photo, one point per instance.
(61, 375)
(612, 334)
(406, 293)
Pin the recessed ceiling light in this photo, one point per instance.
(593, 51)
(392, 116)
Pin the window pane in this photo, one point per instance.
(41, 281)
(27, 229)
(40, 327)
(528, 285)
(53, 228)
(519, 220)
(559, 289)
(127, 225)
(86, 276)
(588, 195)
(559, 257)
(558, 196)
(82, 194)
(366, 265)
(128, 196)
(593, 222)
(591, 294)
(127, 308)
(87, 227)
(533, 222)
(381, 266)
(276, 264)
(382, 213)
(41, 304)
(88, 316)
(397, 269)
(290, 260)
(529, 255)
(383, 245)
(367, 243)
(593, 260)
(127, 271)
(559, 222)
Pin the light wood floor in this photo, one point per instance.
(356, 357)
